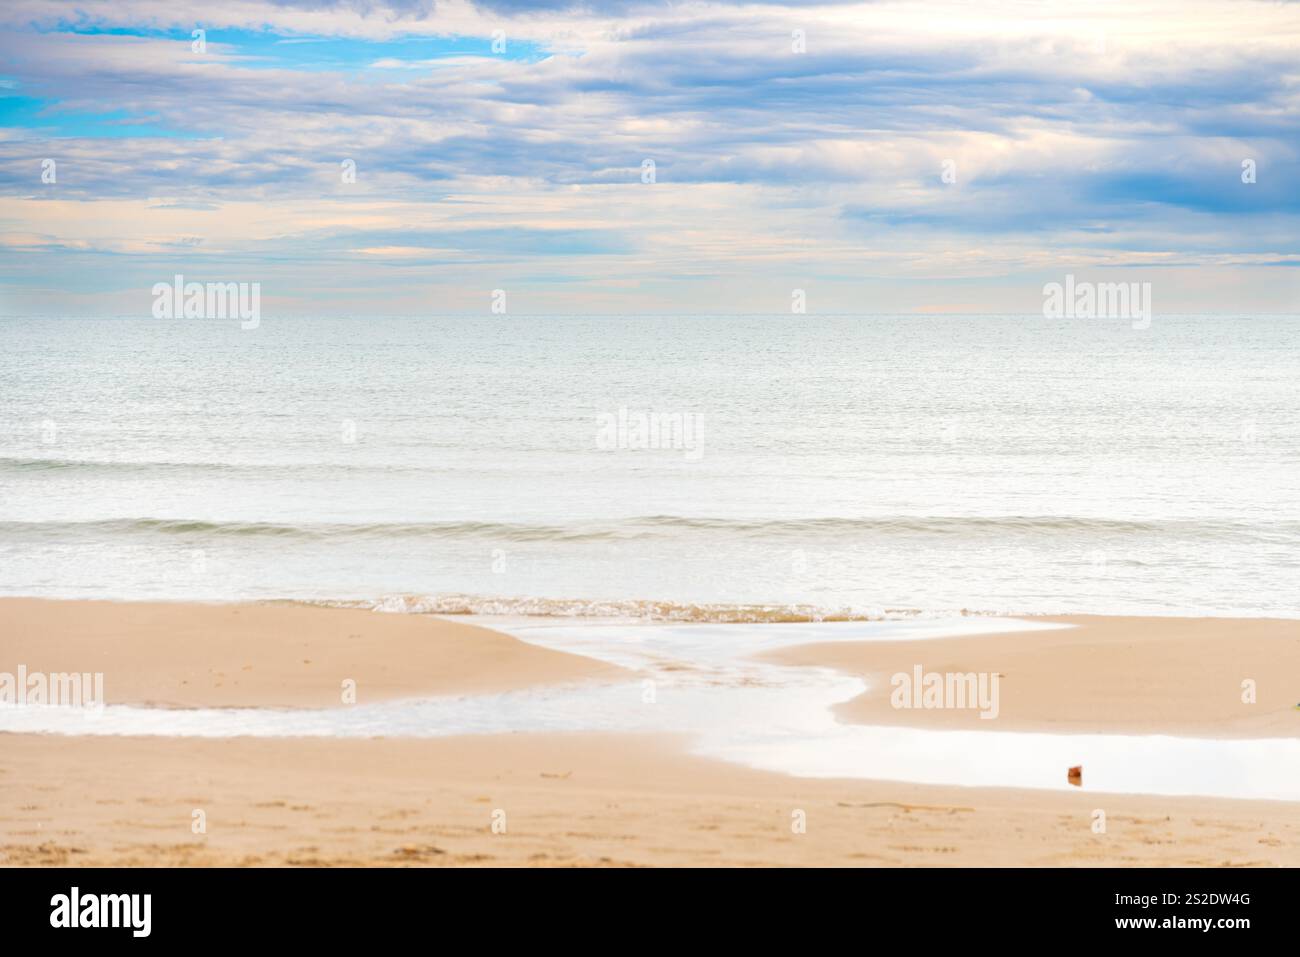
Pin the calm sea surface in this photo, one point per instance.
(688, 467)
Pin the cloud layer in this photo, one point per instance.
(640, 157)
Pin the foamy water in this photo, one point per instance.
(848, 467)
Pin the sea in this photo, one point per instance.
(663, 468)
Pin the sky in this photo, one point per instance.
(648, 157)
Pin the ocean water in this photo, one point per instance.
(804, 466)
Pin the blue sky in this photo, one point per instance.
(270, 48)
(883, 157)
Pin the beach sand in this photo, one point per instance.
(567, 799)
(1106, 675)
(591, 799)
(174, 654)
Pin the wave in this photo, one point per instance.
(625, 609)
(931, 524)
(662, 526)
(308, 531)
(109, 466)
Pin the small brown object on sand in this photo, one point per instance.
(1076, 775)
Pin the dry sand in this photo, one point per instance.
(596, 799)
(567, 799)
(1178, 676)
(174, 654)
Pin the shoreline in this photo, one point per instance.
(589, 798)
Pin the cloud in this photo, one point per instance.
(1080, 133)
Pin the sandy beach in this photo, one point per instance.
(585, 800)
(600, 799)
(1179, 676)
(279, 655)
